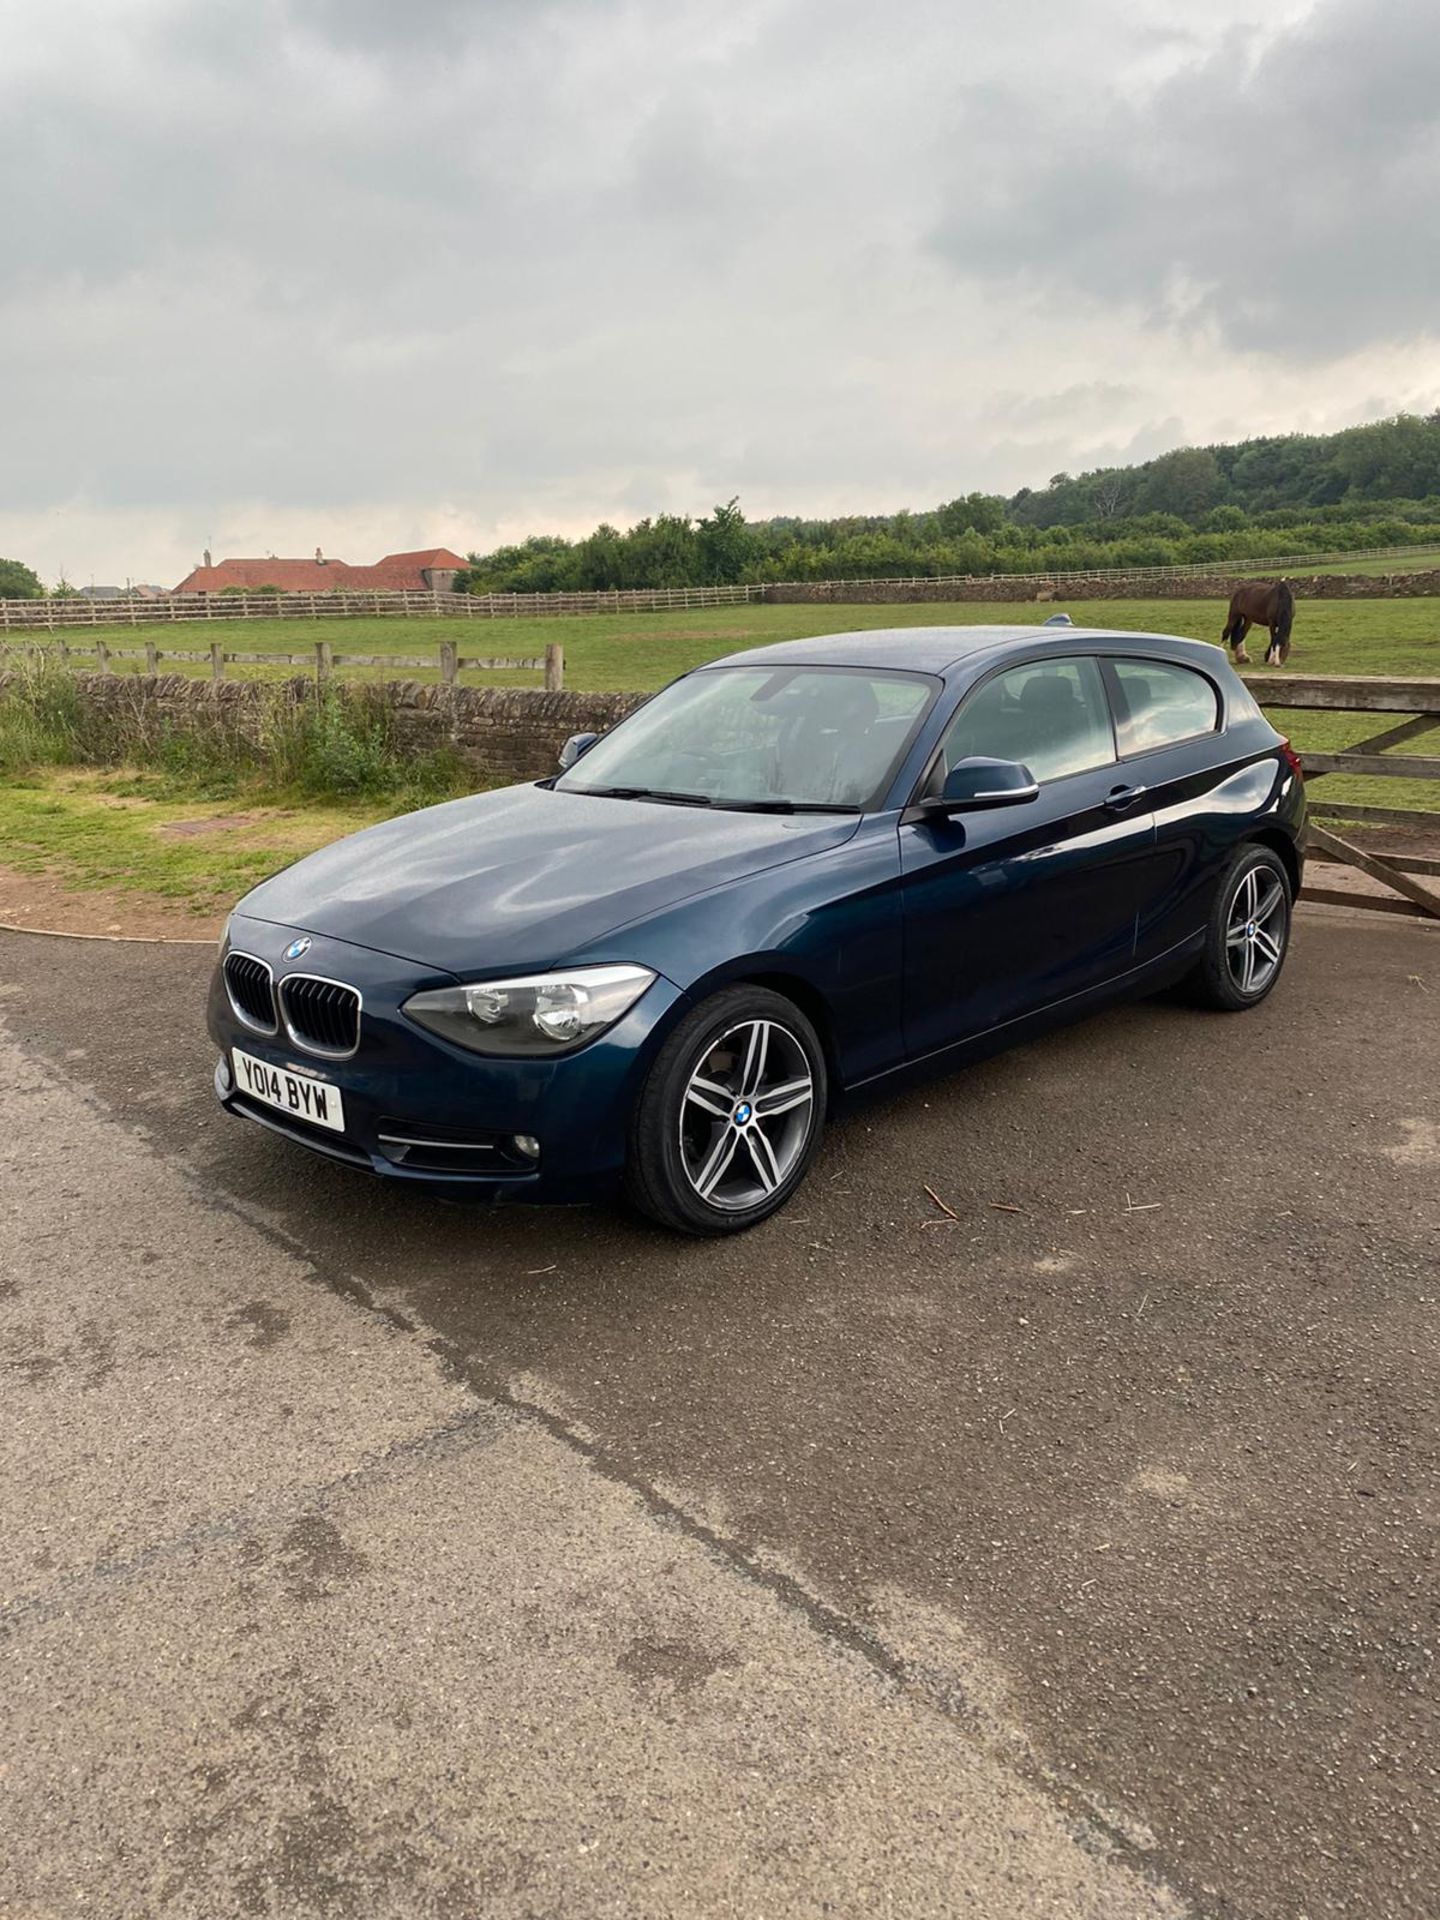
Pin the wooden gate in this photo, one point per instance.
(1415, 877)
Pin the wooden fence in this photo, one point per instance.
(1419, 702)
(1072, 581)
(322, 660)
(54, 615)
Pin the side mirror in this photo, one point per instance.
(577, 744)
(976, 783)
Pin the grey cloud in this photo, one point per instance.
(1073, 406)
(324, 254)
(1286, 199)
(435, 29)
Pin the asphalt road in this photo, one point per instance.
(1077, 1556)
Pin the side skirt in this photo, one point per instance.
(1163, 971)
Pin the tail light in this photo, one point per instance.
(1292, 760)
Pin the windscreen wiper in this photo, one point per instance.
(782, 806)
(670, 797)
(649, 793)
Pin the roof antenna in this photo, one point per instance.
(1059, 620)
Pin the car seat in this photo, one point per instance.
(822, 755)
(1055, 722)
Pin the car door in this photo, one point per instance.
(1012, 909)
(1200, 790)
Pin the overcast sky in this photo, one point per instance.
(376, 274)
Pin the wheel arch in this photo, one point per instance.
(1281, 844)
(760, 971)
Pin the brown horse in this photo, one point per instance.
(1262, 604)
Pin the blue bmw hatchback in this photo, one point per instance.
(799, 872)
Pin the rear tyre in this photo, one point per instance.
(1248, 936)
(729, 1119)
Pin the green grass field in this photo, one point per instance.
(638, 651)
(104, 832)
(130, 833)
(1414, 560)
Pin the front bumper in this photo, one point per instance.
(405, 1081)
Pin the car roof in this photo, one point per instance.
(941, 649)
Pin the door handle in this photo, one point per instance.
(1121, 799)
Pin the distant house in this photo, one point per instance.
(430, 571)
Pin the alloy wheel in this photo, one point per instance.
(1255, 930)
(747, 1115)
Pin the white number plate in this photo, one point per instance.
(292, 1093)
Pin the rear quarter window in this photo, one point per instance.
(1159, 704)
(1241, 704)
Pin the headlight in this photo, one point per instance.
(543, 1013)
(225, 935)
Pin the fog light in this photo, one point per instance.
(222, 1074)
(527, 1144)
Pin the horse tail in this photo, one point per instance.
(1284, 613)
(1229, 625)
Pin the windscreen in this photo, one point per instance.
(751, 736)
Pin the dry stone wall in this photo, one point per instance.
(1081, 586)
(505, 734)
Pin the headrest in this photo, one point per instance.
(1047, 693)
(1138, 691)
(848, 701)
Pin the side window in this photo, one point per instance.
(1052, 715)
(1160, 704)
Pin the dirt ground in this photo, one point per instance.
(45, 901)
(1076, 1555)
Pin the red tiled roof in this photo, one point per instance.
(404, 569)
(292, 576)
(396, 571)
(427, 557)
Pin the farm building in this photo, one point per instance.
(432, 570)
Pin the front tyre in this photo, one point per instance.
(729, 1119)
(1249, 933)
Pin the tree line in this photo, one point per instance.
(1369, 486)
(1386, 461)
(19, 582)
